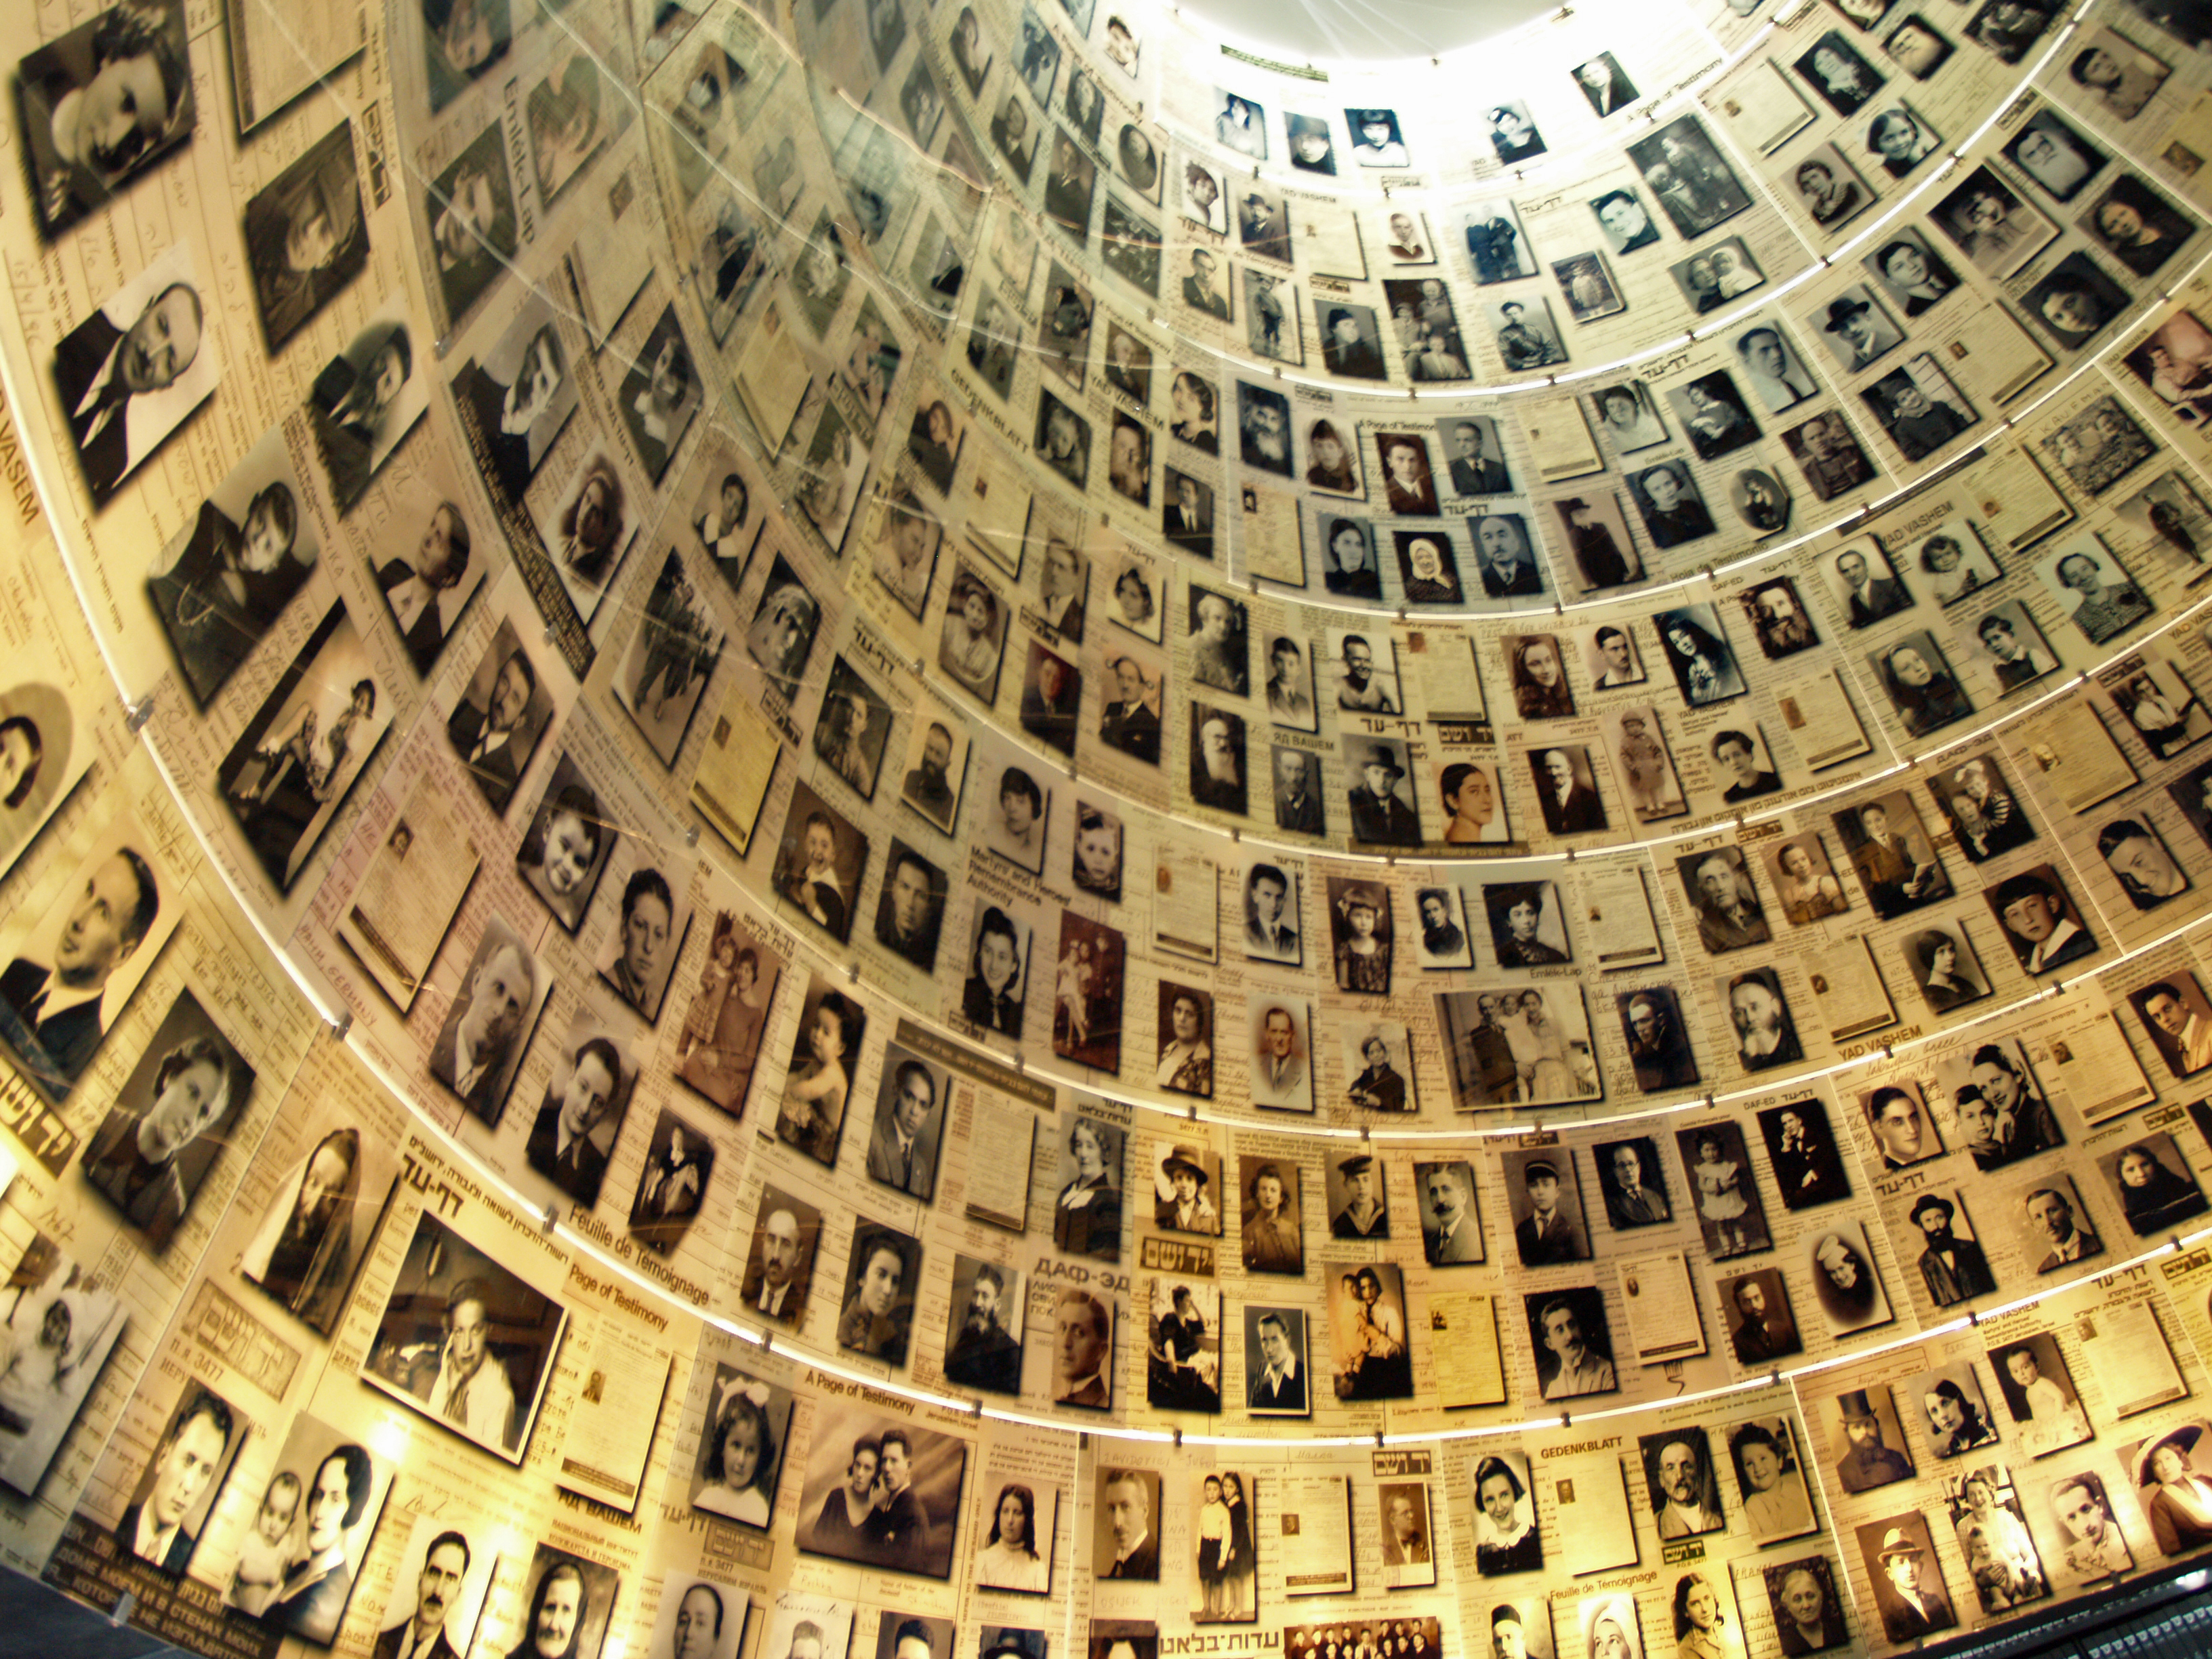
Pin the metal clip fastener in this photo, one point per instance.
(549, 1217)
(136, 715)
(341, 1027)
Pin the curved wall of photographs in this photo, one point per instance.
(968, 829)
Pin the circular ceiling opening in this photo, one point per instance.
(1363, 31)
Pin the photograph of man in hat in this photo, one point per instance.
(1263, 227)
(1855, 330)
(1182, 1205)
(1547, 1231)
(1381, 811)
(1867, 1462)
(1908, 1584)
(1356, 1208)
(1954, 1269)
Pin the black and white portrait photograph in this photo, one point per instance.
(60, 1326)
(174, 1495)
(1713, 415)
(1016, 831)
(311, 1532)
(1683, 1482)
(1369, 1356)
(882, 1271)
(742, 1445)
(445, 1575)
(1495, 243)
(1955, 1416)
(1985, 1515)
(984, 1331)
(680, 1164)
(502, 712)
(1018, 1545)
(1508, 1540)
(1684, 169)
(305, 235)
(1806, 1155)
(587, 1099)
(156, 1144)
(1807, 1607)
(1759, 1014)
(653, 911)
(295, 761)
(132, 372)
(567, 845)
(1182, 1347)
(1571, 1342)
(1760, 1327)
(469, 217)
(1513, 133)
(2075, 302)
(488, 1023)
(316, 1230)
(427, 581)
(1708, 279)
(1658, 1038)
(1840, 1263)
(720, 1042)
(1277, 1361)
(568, 1607)
(881, 1492)
(102, 104)
(819, 864)
(817, 1086)
(779, 1266)
(1716, 1162)
(1526, 337)
(465, 1341)
(1281, 1071)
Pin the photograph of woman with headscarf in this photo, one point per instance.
(304, 1253)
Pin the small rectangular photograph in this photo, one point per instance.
(817, 1085)
(680, 1167)
(1369, 1356)
(296, 760)
(439, 1591)
(315, 1233)
(1830, 188)
(1495, 243)
(2037, 1386)
(1840, 1264)
(1672, 506)
(2054, 1225)
(1182, 1355)
(1984, 1512)
(1087, 993)
(719, 1042)
(1807, 1610)
(1526, 337)
(1761, 1327)
(1920, 409)
(305, 238)
(2075, 302)
(135, 369)
(1995, 230)
(61, 1326)
(984, 1330)
(1730, 1213)
(1684, 1485)
(464, 1342)
(780, 1268)
(820, 863)
(588, 531)
(1955, 1414)
(1280, 1070)
(587, 1099)
(1588, 286)
(170, 1121)
(882, 1268)
(502, 712)
(654, 913)
(329, 1491)
(1684, 169)
(1276, 1362)
(175, 1496)
(1573, 1348)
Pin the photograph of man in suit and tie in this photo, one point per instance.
(502, 713)
(437, 1620)
(586, 1098)
(1275, 1362)
(1451, 1231)
(476, 1049)
(131, 373)
(782, 1265)
(181, 1482)
(426, 587)
(902, 1146)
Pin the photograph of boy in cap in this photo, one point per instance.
(1547, 1226)
(1357, 1206)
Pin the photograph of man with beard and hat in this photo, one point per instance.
(169, 1121)
(571, 1604)
(304, 1253)
(984, 1327)
(465, 1341)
